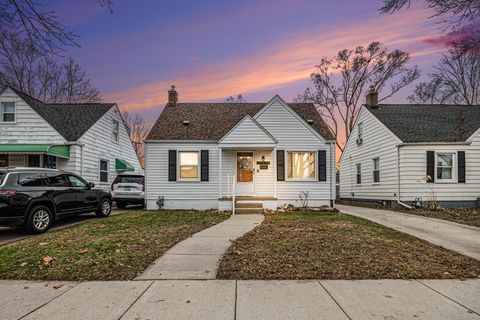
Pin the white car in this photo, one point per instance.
(128, 189)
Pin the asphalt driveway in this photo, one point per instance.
(10, 234)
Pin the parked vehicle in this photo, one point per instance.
(128, 189)
(36, 197)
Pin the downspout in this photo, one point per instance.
(333, 175)
(398, 181)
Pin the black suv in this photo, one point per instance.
(35, 197)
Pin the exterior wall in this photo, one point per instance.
(200, 195)
(413, 171)
(378, 142)
(30, 127)
(99, 145)
(247, 132)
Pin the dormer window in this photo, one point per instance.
(115, 131)
(360, 133)
(8, 111)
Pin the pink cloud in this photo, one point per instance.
(462, 35)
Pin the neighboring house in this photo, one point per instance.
(394, 148)
(198, 155)
(89, 139)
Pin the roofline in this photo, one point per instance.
(180, 141)
(469, 139)
(427, 104)
(276, 97)
(255, 122)
(459, 143)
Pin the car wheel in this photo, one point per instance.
(121, 205)
(39, 220)
(104, 209)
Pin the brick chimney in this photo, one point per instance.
(372, 98)
(172, 96)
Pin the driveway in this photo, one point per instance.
(240, 300)
(450, 235)
(10, 234)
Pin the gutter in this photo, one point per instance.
(433, 143)
(398, 180)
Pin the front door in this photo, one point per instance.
(245, 174)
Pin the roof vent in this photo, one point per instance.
(310, 121)
(186, 122)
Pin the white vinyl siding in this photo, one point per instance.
(247, 132)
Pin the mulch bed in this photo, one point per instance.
(313, 245)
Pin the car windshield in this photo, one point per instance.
(130, 179)
(3, 174)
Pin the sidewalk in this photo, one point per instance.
(230, 299)
(450, 235)
(198, 257)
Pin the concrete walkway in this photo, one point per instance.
(198, 257)
(230, 299)
(450, 235)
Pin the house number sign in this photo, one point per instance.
(263, 164)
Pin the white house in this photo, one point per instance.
(394, 148)
(89, 139)
(200, 155)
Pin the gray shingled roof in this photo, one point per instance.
(211, 121)
(71, 120)
(429, 123)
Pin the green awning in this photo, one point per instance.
(123, 165)
(54, 150)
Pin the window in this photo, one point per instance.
(301, 165)
(49, 161)
(115, 131)
(34, 160)
(376, 170)
(359, 173)
(57, 180)
(188, 165)
(8, 111)
(31, 179)
(3, 160)
(360, 133)
(77, 182)
(445, 166)
(103, 171)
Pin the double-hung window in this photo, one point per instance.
(376, 170)
(188, 163)
(360, 133)
(115, 131)
(8, 111)
(103, 171)
(301, 165)
(445, 168)
(359, 173)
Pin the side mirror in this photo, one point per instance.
(91, 185)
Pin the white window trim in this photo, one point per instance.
(454, 167)
(179, 179)
(314, 179)
(2, 112)
(114, 121)
(356, 174)
(100, 171)
(373, 171)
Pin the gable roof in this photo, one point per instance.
(211, 121)
(429, 123)
(71, 120)
(243, 129)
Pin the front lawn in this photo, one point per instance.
(312, 245)
(114, 248)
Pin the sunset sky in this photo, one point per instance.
(213, 49)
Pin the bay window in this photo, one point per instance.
(188, 163)
(301, 165)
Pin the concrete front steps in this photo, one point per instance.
(244, 207)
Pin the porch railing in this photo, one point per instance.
(231, 182)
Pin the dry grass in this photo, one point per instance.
(312, 245)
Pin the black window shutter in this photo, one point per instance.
(322, 165)
(204, 165)
(461, 167)
(172, 165)
(431, 165)
(280, 165)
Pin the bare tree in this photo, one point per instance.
(38, 74)
(138, 130)
(32, 20)
(238, 99)
(459, 16)
(341, 82)
(456, 79)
